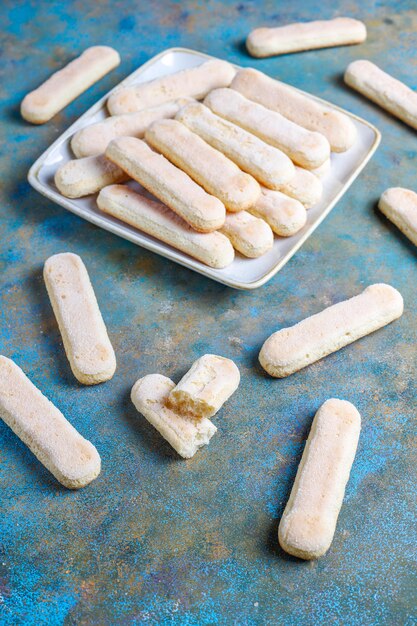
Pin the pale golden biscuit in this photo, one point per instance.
(249, 235)
(168, 183)
(154, 218)
(304, 147)
(184, 433)
(94, 139)
(400, 206)
(323, 170)
(217, 174)
(83, 177)
(338, 129)
(309, 521)
(285, 215)
(341, 31)
(388, 92)
(205, 387)
(304, 186)
(73, 460)
(83, 331)
(64, 86)
(290, 349)
(195, 82)
(267, 164)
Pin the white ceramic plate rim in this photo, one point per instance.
(117, 228)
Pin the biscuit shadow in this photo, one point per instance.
(145, 433)
(51, 337)
(240, 47)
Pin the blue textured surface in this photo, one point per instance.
(155, 539)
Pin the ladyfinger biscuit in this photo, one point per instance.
(323, 170)
(290, 349)
(341, 31)
(309, 521)
(64, 86)
(400, 206)
(83, 332)
(184, 433)
(304, 187)
(304, 147)
(249, 235)
(217, 174)
(195, 82)
(267, 164)
(168, 183)
(73, 460)
(153, 218)
(82, 177)
(335, 126)
(388, 92)
(285, 215)
(94, 139)
(205, 387)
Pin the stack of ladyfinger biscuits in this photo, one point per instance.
(227, 173)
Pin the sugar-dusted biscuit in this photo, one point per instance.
(83, 177)
(309, 520)
(194, 82)
(154, 218)
(82, 328)
(297, 107)
(340, 31)
(290, 349)
(388, 92)
(73, 460)
(250, 235)
(94, 139)
(64, 86)
(168, 183)
(304, 186)
(305, 147)
(210, 168)
(204, 389)
(400, 206)
(285, 215)
(323, 170)
(267, 164)
(183, 432)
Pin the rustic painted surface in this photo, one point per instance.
(155, 539)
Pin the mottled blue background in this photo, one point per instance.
(156, 539)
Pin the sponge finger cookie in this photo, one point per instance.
(73, 460)
(195, 82)
(184, 433)
(153, 218)
(205, 387)
(267, 164)
(285, 215)
(64, 86)
(304, 186)
(303, 110)
(309, 520)
(83, 177)
(290, 349)
(388, 92)
(306, 148)
(249, 235)
(94, 139)
(82, 328)
(400, 206)
(341, 31)
(217, 174)
(168, 183)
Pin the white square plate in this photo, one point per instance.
(242, 273)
